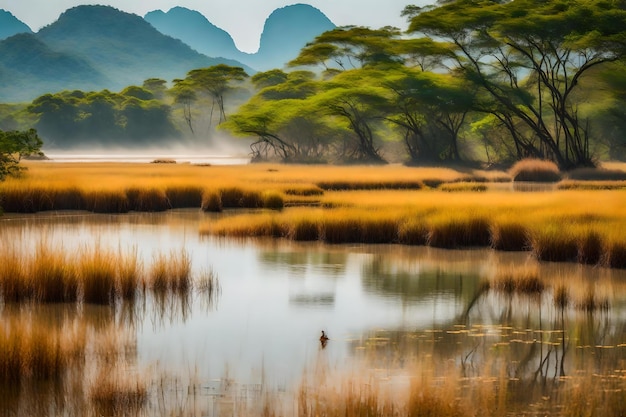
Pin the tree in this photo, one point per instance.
(283, 120)
(350, 47)
(185, 95)
(15, 145)
(357, 98)
(216, 81)
(431, 108)
(529, 58)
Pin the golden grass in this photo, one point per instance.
(563, 225)
(114, 394)
(518, 280)
(535, 170)
(93, 275)
(31, 351)
(98, 273)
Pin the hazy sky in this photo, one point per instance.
(243, 19)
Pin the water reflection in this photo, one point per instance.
(385, 307)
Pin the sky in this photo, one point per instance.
(243, 19)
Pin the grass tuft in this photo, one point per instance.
(147, 199)
(106, 201)
(535, 170)
(554, 243)
(273, 200)
(509, 236)
(98, 275)
(184, 196)
(456, 232)
(212, 201)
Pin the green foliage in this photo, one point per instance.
(131, 118)
(15, 145)
(528, 58)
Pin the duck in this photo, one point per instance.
(323, 338)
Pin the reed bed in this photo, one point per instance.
(115, 394)
(92, 275)
(518, 280)
(31, 351)
(563, 226)
(555, 226)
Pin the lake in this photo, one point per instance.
(384, 307)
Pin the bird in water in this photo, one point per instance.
(323, 339)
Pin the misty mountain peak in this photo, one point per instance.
(194, 29)
(11, 25)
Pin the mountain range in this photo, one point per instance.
(98, 47)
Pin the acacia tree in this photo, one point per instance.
(185, 96)
(431, 109)
(529, 58)
(282, 119)
(357, 98)
(14, 146)
(216, 81)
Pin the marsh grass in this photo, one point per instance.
(535, 170)
(458, 231)
(591, 185)
(30, 351)
(212, 201)
(518, 281)
(106, 201)
(114, 394)
(184, 196)
(352, 185)
(93, 275)
(473, 187)
(53, 278)
(16, 283)
(554, 242)
(509, 236)
(147, 199)
(170, 272)
(129, 274)
(98, 275)
(614, 254)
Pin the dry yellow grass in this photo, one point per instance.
(557, 225)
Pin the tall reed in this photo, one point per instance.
(53, 278)
(129, 274)
(98, 275)
(16, 283)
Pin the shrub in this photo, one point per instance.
(535, 170)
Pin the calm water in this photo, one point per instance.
(381, 303)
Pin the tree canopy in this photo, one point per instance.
(15, 145)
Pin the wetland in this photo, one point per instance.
(216, 322)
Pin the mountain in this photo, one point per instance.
(11, 25)
(195, 30)
(286, 31)
(29, 67)
(95, 48)
(123, 46)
